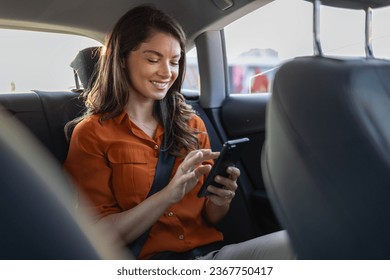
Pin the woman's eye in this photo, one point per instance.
(175, 63)
(152, 60)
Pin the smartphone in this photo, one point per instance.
(229, 156)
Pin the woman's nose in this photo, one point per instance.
(165, 70)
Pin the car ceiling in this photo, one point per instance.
(90, 17)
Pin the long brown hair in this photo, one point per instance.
(110, 92)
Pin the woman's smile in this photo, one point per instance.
(153, 67)
(160, 85)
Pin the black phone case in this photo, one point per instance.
(230, 154)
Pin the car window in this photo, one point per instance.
(38, 60)
(381, 32)
(191, 80)
(343, 32)
(267, 37)
(259, 42)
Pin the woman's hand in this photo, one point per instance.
(188, 173)
(219, 199)
(224, 196)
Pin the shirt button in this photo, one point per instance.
(156, 147)
(181, 236)
(170, 214)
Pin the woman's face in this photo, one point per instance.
(153, 67)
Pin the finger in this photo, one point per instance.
(197, 158)
(227, 182)
(222, 193)
(186, 178)
(231, 195)
(234, 172)
(188, 163)
(195, 152)
(191, 155)
(206, 154)
(209, 154)
(195, 174)
(202, 170)
(219, 200)
(194, 158)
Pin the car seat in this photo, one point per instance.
(326, 158)
(85, 66)
(37, 210)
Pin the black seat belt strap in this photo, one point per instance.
(161, 178)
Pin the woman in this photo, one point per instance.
(135, 111)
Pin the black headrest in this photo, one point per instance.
(326, 161)
(355, 4)
(85, 64)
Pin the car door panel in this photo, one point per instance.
(243, 115)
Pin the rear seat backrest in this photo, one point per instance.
(27, 108)
(59, 108)
(45, 115)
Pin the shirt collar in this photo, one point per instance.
(124, 117)
(119, 119)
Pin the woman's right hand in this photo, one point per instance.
(188, 174)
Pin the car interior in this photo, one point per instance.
(56, 109)
(332, 209)
(44, 114)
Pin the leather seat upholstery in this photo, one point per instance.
(326, 161)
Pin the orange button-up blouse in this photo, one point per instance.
(113, 162)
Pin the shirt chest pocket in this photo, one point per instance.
(131, 176)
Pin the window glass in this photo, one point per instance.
(343, 32)
(281, 30)
(257, 43)
(381, 32)
(191, 80)
(38, 60)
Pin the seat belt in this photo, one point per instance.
(161, 177)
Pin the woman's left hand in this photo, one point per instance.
(224, 196)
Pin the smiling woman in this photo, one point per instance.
(236, 46)
(38, 60)
(135, 115)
